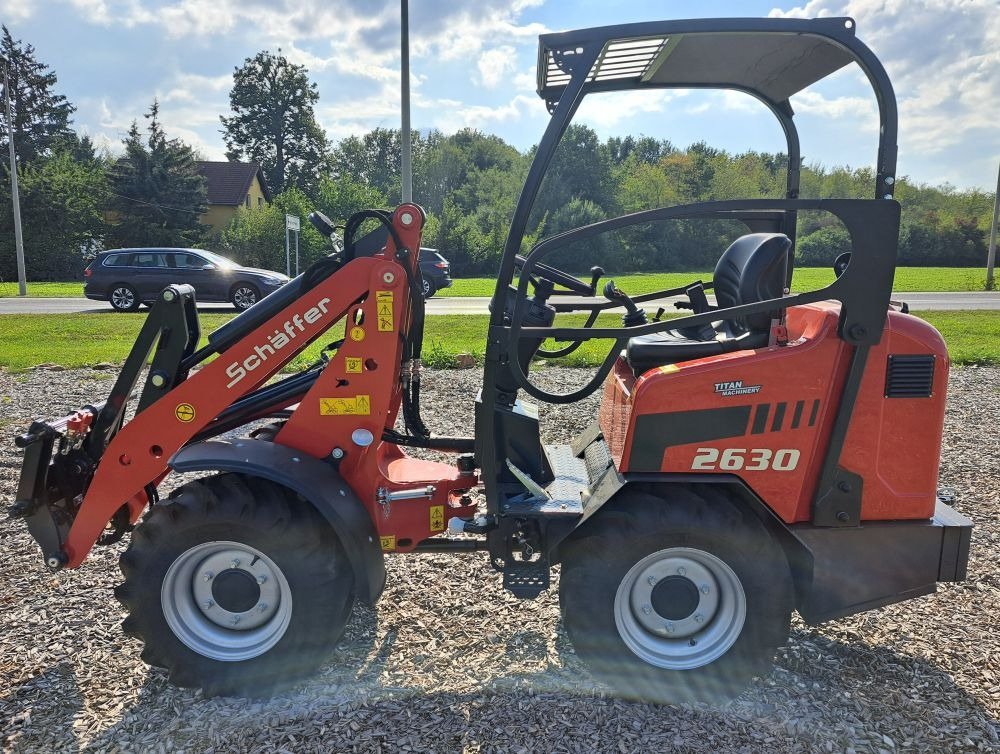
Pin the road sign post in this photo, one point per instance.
(293, 224)
(991, 257)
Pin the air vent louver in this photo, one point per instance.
(909, 376)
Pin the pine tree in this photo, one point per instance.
(273, 122)
(41, 117)
(157, 191)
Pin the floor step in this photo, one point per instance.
(526, 580)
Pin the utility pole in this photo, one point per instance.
(22, 285)
(991, 258)
(406, 165)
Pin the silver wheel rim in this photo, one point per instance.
(192, 608)
(425, 284)
(680, 641)
(244, 297)
(123, 298)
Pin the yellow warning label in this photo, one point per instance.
(383, 302)
(352, 365)
(388, 543)
(357, 333)
(437, 518)
(184, 412)
(359, 405)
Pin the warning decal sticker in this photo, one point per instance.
(352, 365)
(184, 412)
(359, 405)
(383, 302)
(388, 543)
(437, 518)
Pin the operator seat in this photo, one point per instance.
(752, 269)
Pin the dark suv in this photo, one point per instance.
(129, 277)
(435, 270)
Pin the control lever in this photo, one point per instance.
(633, 314)
(596, 273)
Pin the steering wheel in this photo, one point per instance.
(556, 276)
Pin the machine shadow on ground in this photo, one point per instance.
(349, 704)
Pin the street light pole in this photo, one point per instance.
(405, 158)
(22, 285)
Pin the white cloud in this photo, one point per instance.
(606, 111)
(495, 64)
(943, 57)
(16, 10)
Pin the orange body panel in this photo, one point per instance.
(358, 389)
(765, 416)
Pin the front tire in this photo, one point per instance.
(235, 587)
(243, 296)
(428, 288)
(123, 298)
(674, 600)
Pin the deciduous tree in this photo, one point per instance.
(274, 123)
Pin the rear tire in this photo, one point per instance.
(123, 297)
(676, 600)
(428, 288)
(243, 296)
(235, 587)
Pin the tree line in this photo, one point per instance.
(76, 201)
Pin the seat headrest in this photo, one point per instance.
(752, 269)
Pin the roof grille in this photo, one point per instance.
(620, 59)
(910, 376)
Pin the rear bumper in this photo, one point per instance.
(846, 570)
(444, 283)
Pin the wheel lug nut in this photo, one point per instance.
(651, 581)
(705, 589)
(699, 618)
(235, 564)
(647, 609)
(261, 579)
(236, 619)
(682, 570)
(209, 605)
(208, 575)
(262, 607)
(669, 628)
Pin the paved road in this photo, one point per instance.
(441, 305)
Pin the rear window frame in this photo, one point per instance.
(106, 262)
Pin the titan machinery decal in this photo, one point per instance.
(281, 338)
(736, 387)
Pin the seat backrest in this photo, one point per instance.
(752, 269)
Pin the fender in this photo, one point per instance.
(314, 480)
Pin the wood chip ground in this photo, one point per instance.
(448, 662)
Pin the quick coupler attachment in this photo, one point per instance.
(55, 472)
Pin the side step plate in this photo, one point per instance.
(526, 580)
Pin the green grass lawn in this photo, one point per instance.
(86, 339)
(806, 279)
(908, 279)
(45, 290)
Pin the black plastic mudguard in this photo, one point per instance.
(316, 481)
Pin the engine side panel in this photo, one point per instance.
(765, 416)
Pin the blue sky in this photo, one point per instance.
(473, 65)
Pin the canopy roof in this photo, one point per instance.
(771, 58)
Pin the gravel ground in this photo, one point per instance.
(449, 662)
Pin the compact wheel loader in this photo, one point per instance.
(761, 454)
